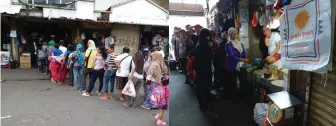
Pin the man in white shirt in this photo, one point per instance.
(272, 41)
(62, 48)
(123, 63)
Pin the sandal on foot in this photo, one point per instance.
(156, 117)
(86, 94)
(145, 107)
(160, 123)
(126, 105)
(119, 99)
(104, 97)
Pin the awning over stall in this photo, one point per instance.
(143, 12)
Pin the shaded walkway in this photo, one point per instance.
(184, 110)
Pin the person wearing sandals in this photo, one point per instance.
(123, 64)
(136, 76)
(78, 68)
(98, 71)
(55, 66)
(154, 74)
(110, 74)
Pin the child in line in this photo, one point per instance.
(160, 96)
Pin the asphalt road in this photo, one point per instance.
(40, 103)
(184, 110)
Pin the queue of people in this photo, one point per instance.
(102, 63)
(211, 57)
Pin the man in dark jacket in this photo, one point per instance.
(203, 68)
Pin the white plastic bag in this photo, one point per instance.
(147, 64)
(260, 112)
(129, 89)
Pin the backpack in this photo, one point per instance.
(158, 96)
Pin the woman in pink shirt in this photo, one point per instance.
(98, 71)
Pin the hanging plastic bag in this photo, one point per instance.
(129, 89)
(254, 19)
(260, 112)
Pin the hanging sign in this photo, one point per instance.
(305, 29)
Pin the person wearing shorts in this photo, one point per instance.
(272, 41)
(123, 63)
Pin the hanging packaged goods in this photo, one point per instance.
(306, 42)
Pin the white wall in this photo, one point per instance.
(103, 5)
(5, 6)
(139, 12)
(84, 10)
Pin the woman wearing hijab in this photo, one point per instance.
(51, 45)
(203, 67)
(236, 57)
(136, 76)
(90, 53)
(78, 68)
(153, 78)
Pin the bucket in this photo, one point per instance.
(13, 64)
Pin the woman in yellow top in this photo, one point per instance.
(90, 53)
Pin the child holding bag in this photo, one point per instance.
(159, 98)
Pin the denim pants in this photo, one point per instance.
(109, 76)
(96, 74)
(78, 74)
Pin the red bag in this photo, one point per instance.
(254, 19)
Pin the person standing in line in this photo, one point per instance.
(90, 53)
(203, 68)
(155, 71)
(98, 71)
(42, 57)
(161, 98)
(220, 63)
(55, 65)
(123, 64)
(183, 44)
(62, 47)
(51, 45)
(236, 56)
(64, 69)
(136, 76)
(78, 68)
(111, 71)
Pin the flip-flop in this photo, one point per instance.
(119, 99)
(126, 105)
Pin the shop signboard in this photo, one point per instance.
(4, 57)
(305, 29)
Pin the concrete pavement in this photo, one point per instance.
(40, 103)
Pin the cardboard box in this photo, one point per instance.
(25, 65)
(25, 60)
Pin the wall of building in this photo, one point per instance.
(126, 36)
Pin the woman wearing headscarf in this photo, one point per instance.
(90, 53)
(203, 67)
(51, 45)
(155, 71)
(78, 68)
(136, 76)
(236, 57)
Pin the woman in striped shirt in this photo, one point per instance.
(110, 74)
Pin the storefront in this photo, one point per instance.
(131, 24)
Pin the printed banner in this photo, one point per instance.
(4, 57)
(305, 29)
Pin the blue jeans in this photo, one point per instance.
(109, 76)
(78, 73)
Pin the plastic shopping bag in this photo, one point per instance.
(260, 112)
(129, 89)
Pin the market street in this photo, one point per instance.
(40, 103)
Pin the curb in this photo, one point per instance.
(3, 80)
